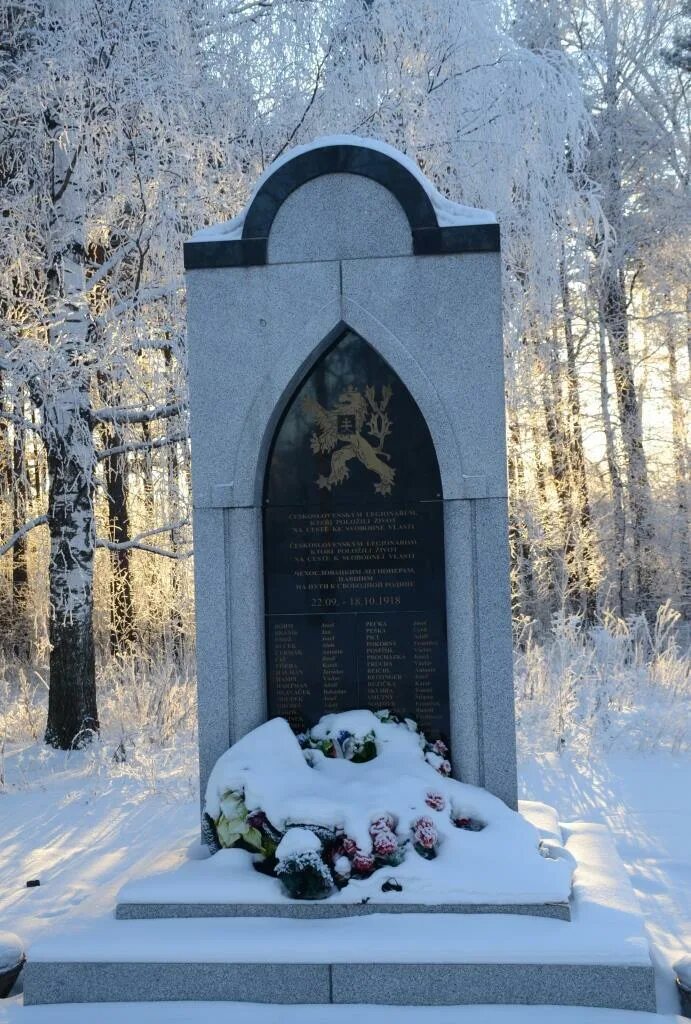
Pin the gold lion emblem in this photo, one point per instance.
(344, 425)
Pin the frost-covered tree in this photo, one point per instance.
(638, 160)
(107, 140)
(125, 126)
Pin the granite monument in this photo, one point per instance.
(349, 459)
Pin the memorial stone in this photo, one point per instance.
(349, 461)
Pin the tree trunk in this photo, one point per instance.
(20, 566)
(588, 584)
(558, 448)
(618, 516)
(519, 540)
(173, 512)
(680, 453)
(115, 481)
(613, 307)
(645, 594)
(67, 435)
(121, 607)
(545, 569)
(72, 713)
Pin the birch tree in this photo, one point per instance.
(129, 123)
(94, 97)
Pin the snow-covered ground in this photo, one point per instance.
(256, 1013)
(645, 799)
(83, 825)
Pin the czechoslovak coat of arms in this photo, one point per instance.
(343, 426)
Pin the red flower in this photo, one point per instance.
(385, 843)
(363, 863)
(439, 747)
(425, 833)
(349, 847)
(436, 801)
(384, 823)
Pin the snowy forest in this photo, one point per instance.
(126, 125)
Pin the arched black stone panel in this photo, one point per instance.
(429, 238)
(354, 548)
(344, 159)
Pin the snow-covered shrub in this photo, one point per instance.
(616, 682)
(320, 820)
(148, 737)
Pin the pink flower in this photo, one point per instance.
(385, 843)
(363, 863)
(436, 801)
(439, 747)
(444, 768)
(462, 822)
(425, 833)
(349, 847)
(384, 823)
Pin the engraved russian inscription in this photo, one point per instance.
(354, 549)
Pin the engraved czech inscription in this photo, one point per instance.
(354, 549)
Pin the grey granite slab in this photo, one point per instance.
(627, 988)
(326, 910)
(402, 984)
(339, 216)
(46, 982)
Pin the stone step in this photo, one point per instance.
(144, 903)
(401, 984)
(599, 958)
(222, 886)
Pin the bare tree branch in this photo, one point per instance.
(134, 541)
(130, 545)
(310, 103)
(138, 446)
(143, 297)
(19, 421)
(21, 532)
(161, 412)
(110, 264)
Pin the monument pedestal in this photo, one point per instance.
(599, 958)
(215, 887)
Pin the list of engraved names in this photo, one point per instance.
(357, 613)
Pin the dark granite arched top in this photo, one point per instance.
(429, 238)
(338, 159)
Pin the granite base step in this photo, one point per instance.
(214, 887)
(134, 910)
(599, 958)
(393, 984)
